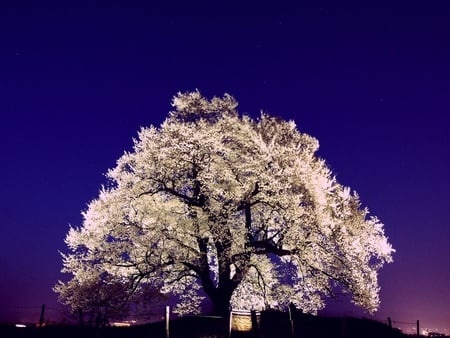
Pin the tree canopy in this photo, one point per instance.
(240, 210)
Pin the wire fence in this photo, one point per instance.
(417, 328)
(41, 314)
(31, 314)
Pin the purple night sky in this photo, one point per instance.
(371, 83)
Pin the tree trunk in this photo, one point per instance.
(220, 293)
(221, 302)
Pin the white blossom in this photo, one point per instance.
(240, 208)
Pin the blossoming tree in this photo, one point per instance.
(237, 209)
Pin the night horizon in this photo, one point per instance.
(370, 83)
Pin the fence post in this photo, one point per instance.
(291, 318)
(344, 327)
(41, 318)
(418, 331)
(230, 322)
(80, 316)
(167, 317)
(254, 322)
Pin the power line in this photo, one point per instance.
(398, 322)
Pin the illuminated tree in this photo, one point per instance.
(240, 208)
(100, 299)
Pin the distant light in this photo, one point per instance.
(121, 324)
(124, 323)
(21, 325)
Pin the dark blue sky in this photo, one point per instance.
(371, 82)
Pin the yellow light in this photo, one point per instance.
(121, 324)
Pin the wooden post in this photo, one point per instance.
(344, 327)
(291, 318)
(254, 321)
(41, 318)
(230, 324)
(390, 323)
(167, 316)
(80, 316)
(418, 328)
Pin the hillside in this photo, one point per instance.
(270, 325)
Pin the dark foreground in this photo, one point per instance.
(271, 325)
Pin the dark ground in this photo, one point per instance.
(272, 325)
